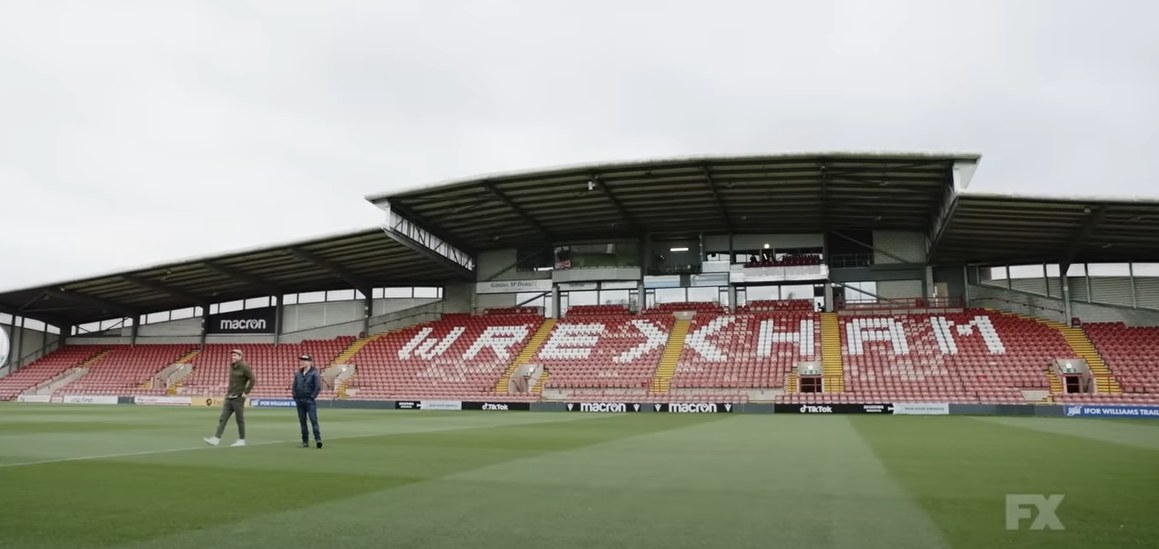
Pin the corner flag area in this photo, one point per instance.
(105, 477)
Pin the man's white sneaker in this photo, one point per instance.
(212, 441)
(239, 443)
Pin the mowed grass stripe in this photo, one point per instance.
(678, 481)
(444, 509)
(145, 498)
(110, 431)
(960, 470)
(748, 481)
(1142, 434)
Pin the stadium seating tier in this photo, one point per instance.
(606, 353)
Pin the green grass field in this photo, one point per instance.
(124, 476)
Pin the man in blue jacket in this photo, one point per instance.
(307, 385)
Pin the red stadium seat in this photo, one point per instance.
(458, 357)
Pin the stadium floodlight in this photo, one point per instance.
(683, 249)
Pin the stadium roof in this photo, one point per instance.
(996, 229)
(685, 197)
(791, 193)
(362, 259)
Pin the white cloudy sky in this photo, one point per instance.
(134, 132)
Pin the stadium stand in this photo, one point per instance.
(272, 365)
(47, 368)
(730, 231)
(606, 353)
(1131, 354)
(974, 356)
(756, 348)
(125, 370)
(598, 352)
(459, 356)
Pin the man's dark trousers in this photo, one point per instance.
(307, 408)
(228, 408)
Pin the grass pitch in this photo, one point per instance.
(140, 477)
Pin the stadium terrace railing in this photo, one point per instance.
(18, 363)
(850, 261)
(910, 305)
(1033, 308)
(406, 318)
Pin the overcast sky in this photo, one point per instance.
(146, 131)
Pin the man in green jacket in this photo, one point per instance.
(241, 382)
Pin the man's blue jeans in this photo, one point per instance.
(307, 408)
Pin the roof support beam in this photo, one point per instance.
(879, 170)
(886, 253)
(545, 248)
(716, 198)
(167, 290)
(941, 222)
(240, 276)
(518, 210)
(30, 302)
(450, 264)
(94, 301)
(434, 229)
(39, 315)
(824, 180)
(1083, 234)
(357, 282)
(595, 179)
(416, 238)
(860, 291)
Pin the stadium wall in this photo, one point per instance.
(494, 301)
(494, 265)
(954, 280)
(457, 298)
(1123, 291)
(899, 289)
(904, 408)
(1113, 290)
(719, 243)
(299, 322)
(1052, 308)
(403, 319)
(909, 246)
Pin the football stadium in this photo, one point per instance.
(797, 350)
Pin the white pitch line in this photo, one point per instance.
(130, 454)
(170, 451)
(206, 447)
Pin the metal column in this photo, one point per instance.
(369, 312)
(17, 348)
(1062, 269)
(204, 325)
(966, 285)
(1134, 292)
(279, 309)
(555, 302)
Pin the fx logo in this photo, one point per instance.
(1018, 508)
